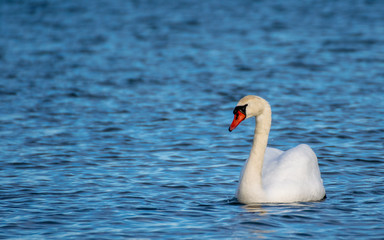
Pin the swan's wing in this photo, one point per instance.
(271, 153)
(271, 158)
(294, 174)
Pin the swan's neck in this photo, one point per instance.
(251, 179)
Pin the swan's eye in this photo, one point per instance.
(241, 109)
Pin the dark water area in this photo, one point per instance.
(114, 116)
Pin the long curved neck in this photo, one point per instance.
(260, 141)
(252, 172)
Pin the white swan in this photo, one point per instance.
(272, 175)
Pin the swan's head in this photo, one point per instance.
(248, 106)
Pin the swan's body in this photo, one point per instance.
(271, 175)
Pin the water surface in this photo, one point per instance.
(114, 116)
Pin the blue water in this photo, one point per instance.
(114, 116)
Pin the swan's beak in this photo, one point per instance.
(239, 117)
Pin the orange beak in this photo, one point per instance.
(239, 117)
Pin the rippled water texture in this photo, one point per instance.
(114, 116)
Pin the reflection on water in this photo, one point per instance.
(278, 208)
(255, 209)
(114, 116)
